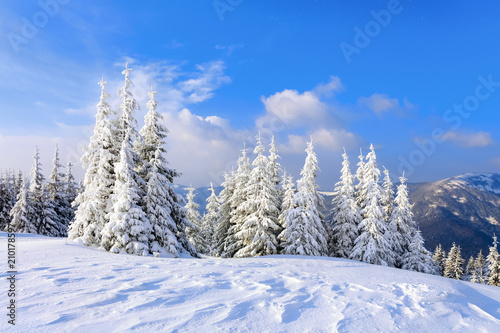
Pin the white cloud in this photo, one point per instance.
(296, 144)
(327, 139)
(333, 86)
(335, 139)
(290, 108)
(210, 77)
(468, 140)
(383, 103)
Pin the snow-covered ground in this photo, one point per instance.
(71, 288)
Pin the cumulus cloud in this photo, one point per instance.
(328, 139)
(335, 139)
(468, 140)
(383, 103)
(290, 108)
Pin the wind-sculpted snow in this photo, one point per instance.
(67, 287)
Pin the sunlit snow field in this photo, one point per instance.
(66, 287)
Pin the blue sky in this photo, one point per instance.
(347, 73)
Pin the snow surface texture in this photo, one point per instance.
(72, 288)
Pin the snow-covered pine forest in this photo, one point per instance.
(126, 203)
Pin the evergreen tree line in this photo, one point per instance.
(37, 205)
(479, 270)
(259, 213)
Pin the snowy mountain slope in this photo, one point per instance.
(70, 288)
(464, 209)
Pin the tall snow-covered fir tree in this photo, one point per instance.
(126, 119)
(274, 166)
(417, 258)
(402, 227)
(306, 233)
(372, 245)
(22, 213)
(493, 260)
(36, 196)
(388, 195)
(161, 203)
(45, 218)
(94, 202)
(8, 197)
(210, 218)
(260, 225)
(360, 187)
(480, 272)
(158, 209)
(71, 189)
(439, 257)
(238, 208)
(224, 223)
(454, 264)
(286, 204)
(57, 192)
(128, 227)
(345, 213)
(194, 231)
(469, 269)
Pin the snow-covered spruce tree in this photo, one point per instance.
(195, 231)
(439, 258)
(22, 213)
(99, 159)
(360, 187)
(493, 260)
(126, 119)
(58, 196)
(260, 225)
(480, 273)
(238, 209)
(454, 264)
(158, 210)
(128, 227)
(71, 189)
(373, 245)
(306, 233)
(210, 218)
(388, 195)
(225, 209)
(51, 221)
(402, 228)
(161, 204)
(36, 196)
(345, 213)
(286, 204)
(274, 166)
(469, 270)
(417, 258)
(45, 217)
(7, 198)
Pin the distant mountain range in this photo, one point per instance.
(464, 209)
